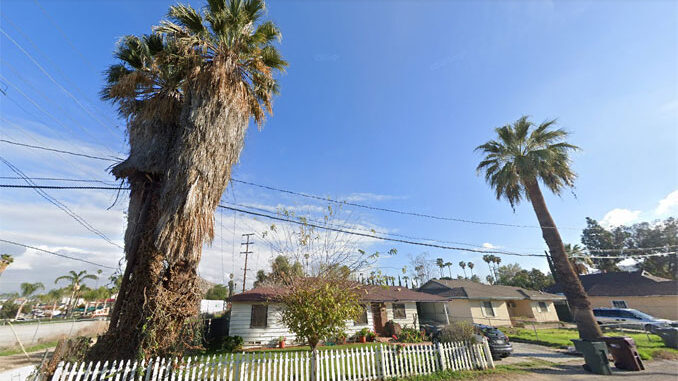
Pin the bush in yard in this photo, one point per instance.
(457, 331)
(392, 328)
(315, 308)
(410, 335)
(227, 344)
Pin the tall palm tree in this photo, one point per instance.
(522, 156)
(470, 267)
(441, 264)
(27, 289)
(487, 258)
(496, 260)
(5, 260)
(449, 268)
(462, 264)
(74, 283)
(188, 91)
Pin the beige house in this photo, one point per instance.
(639, 290)
(255, 314)
(487, 304)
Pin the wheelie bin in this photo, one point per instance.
(669, 335)
(595, 355)
(624, 353)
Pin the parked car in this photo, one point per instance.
(630, 318)
(498, 341)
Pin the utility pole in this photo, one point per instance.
(247, 252)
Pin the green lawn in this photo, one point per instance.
(519, 368)
(31, 348)
(649, 346)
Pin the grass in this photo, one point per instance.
(520, 368)
(649, 346)
(31, 348)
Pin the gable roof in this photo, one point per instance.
(369, 293)
(621, 283)
(467, 289)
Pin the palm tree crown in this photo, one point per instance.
(524, 153)
(75, 279)
(228, 39)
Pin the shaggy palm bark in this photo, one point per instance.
(171, 216)
(155, 299)
(574, 291)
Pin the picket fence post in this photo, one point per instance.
(441, 356)
(488, 353)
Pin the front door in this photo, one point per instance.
(379, 317)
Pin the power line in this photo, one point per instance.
(444, 247)
(59, 179)
(57, 254)
(44, 71)
(58, 203)
(60, 151)
(326, 199)
(340, 228)
(415, 214)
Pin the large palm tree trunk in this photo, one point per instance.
(572, 287)
(155, 299)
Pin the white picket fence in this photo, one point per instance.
(369, 363)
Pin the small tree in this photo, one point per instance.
(315, 308)
(28, 289)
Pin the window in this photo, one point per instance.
(619, 304)
(399, 311)
(259, 316)
(487, 309)
(362, 319)
(511, 305)
(543, 307)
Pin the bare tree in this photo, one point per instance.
(324, 245)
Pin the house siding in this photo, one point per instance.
(411, 319)
(663, 307)
(241, 313)
(549, 315)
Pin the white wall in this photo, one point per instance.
(241, 313)
(411, 319)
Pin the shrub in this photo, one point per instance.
(365, 332)
(457, 331)
(392, 328)
(227, 344)
(410, 335)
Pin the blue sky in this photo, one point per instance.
(383, 103)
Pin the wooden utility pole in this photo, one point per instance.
(247, 252)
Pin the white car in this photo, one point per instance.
(629, 318)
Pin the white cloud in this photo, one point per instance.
(490, 246)
(668, 206)
(670, 106)
(616, 217)
(366, 196)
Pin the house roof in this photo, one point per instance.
(635, 283)
(467, 289)
(369, 293)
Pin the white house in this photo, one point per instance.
(255, 315)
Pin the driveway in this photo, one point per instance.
(523, 352)
(660, 370)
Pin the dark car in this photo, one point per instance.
(498, 341)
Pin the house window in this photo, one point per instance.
(543, 307)
(487, 309)
(259, 316)
(399, 311)
(362, 318)
(619, 304)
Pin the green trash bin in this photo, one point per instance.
(595, 355)
(669, 335)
